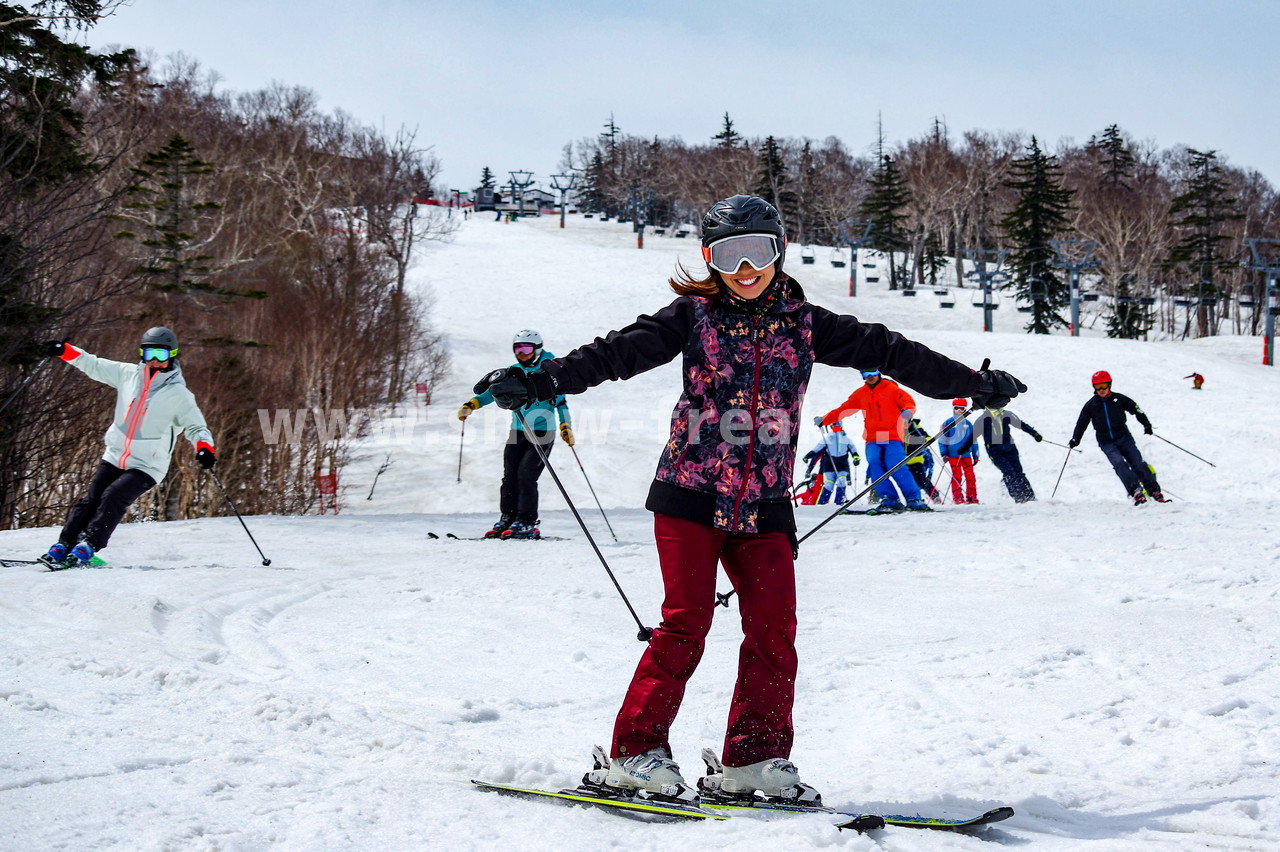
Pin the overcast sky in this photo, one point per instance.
(506, 83)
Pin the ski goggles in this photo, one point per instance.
(870, 374)
(1102, 386)
(759, 250)
(523, 348)
(156, 353)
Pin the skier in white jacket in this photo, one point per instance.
(153, 405)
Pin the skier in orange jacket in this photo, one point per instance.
(886, 409)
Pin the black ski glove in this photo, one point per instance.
(511, 387)
(206, 458)
(55, 348)
(1073, 443)
(1148, 429)
(1037, 436)
(997, 388)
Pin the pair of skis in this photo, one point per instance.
(714, 805)
(95, 562)
(452, 537)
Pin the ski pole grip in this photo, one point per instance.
(645, 634)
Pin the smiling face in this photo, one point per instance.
(749, 282)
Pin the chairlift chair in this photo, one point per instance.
(806, 255)
(1089, 297)
(1146, 301)
(837, 258)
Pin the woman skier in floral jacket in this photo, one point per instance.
(748, 339)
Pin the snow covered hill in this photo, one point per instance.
(1109, 671)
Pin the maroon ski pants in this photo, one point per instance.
(761, 568)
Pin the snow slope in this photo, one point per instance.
(1108, 671)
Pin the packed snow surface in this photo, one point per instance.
(1107, 670)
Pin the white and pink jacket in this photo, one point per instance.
(151, 409)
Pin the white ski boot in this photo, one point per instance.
(652, 775)
(776, 779)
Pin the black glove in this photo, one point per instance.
(206, 458)
(511, 387)
(1073, 443)
(55, 348)
(1147, 429)
(1037, 436)
(997, 388)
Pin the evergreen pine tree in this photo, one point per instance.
(588, 188)
(487, 179)
(1201, 211)
(169, 215)
(728, 137)
(1115, 157)
(773, 184)
(886, 207)
(1039, 216)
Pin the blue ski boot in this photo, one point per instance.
(520, 530)
(79, 555)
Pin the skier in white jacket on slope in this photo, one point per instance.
(153, 404)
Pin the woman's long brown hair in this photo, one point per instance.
(685, 284)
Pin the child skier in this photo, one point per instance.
(1106, 411)
(521, 465)
(957, 445)
(921, 463)
(886, 409)
(995, 424)
(748, 340)
(153, 405)
(1197, 381)
(833, 452)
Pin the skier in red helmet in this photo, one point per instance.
(1106, 410)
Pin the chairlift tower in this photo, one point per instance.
(988, 266)
(854, 234)
(520, 181)
(1074, 256)
(1266, 259)
(564, 184)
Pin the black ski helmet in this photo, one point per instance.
(160, 336)
(744, 214)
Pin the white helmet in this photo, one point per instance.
(527, 335)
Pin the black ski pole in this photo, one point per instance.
(645, 632)
(1185, 450)
(593, 493)
(265, 560)
(1064, 468)
(25, 382)
(462, 436)
(1064, 446)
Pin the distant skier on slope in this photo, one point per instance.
(521, 465)
(1106, 411)
(153, 405)
(886, 409)
(1197, 381)
(832, 454)
(995, 425)
(959, 447)
(748, 340)
(920, 464)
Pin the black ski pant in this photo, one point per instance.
(95, 516)
(1129, 465)
(1006, 458)
(521, 467)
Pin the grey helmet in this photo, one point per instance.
(527, 335)
(160, 336)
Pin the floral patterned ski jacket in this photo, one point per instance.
(732, 448)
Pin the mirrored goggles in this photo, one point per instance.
(1102, 386)
(870, 374)
(156, 353)
(523, 348)
(759, 250)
